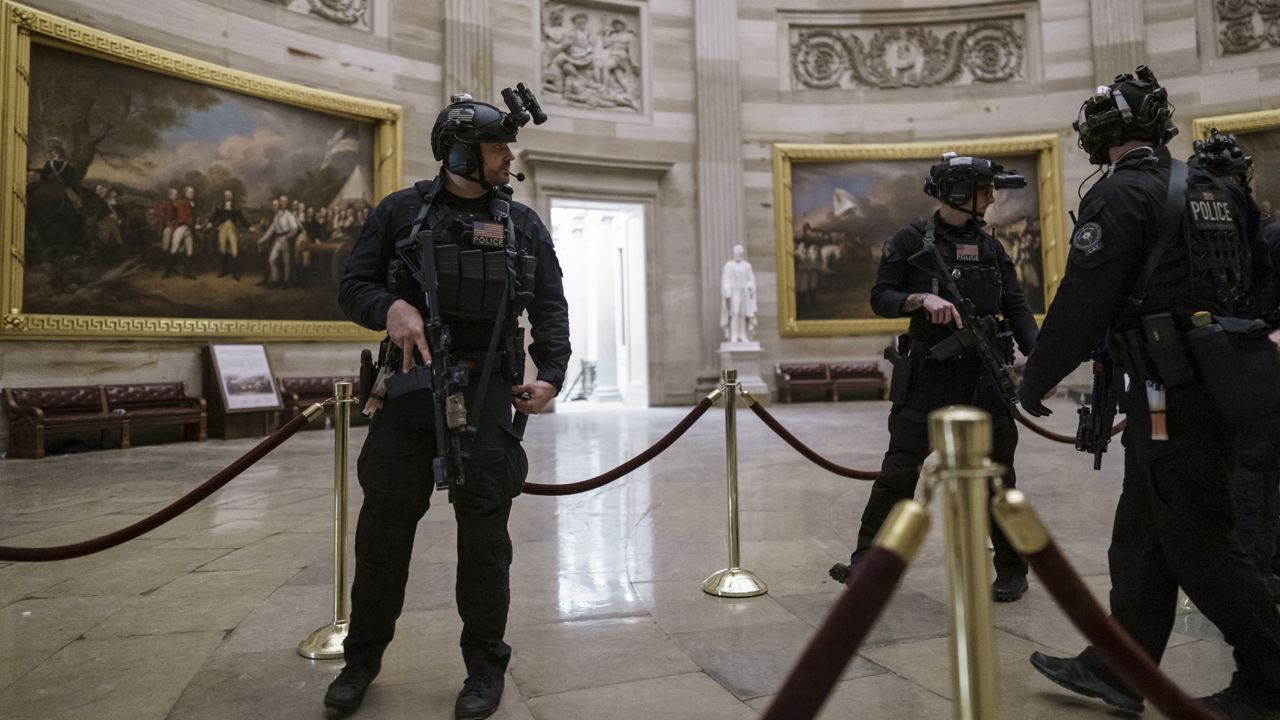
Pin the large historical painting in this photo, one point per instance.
(837, 205)
(161, 205)
(1259, 136)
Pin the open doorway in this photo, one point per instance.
(601, 250)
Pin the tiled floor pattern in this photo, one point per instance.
(199, 619)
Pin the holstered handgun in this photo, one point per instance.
(900, 378)
(368, 375)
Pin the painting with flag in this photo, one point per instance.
(166, 197)
(836, 205)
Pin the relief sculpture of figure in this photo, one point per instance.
(620, 70)
(738, 298)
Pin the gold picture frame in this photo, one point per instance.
(1259, 135)
(25, 27)
(790, 159)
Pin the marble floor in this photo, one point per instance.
(200, 618)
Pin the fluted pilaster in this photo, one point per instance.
(720, 191)
(468, 49)
(1119, 38)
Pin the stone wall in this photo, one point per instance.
(651, 130)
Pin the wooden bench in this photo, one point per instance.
(145, 404)
(860, 379)
(298, 393)
(35, 412)
(805, 377)
(832, 380)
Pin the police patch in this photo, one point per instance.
(1087, 238)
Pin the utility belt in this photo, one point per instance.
(909, 356)
(1232, 357)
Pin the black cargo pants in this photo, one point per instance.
(1173, 528)
(395, 473)
(936, 385)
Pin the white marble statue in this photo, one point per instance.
(738, 299)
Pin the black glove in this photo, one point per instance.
(1032, 404)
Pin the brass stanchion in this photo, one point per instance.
(733, 581)
(962, 438)
(325, 643)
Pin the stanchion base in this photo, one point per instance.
(325, 643)
(734, 582)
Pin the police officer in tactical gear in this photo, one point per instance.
(1154, 245)
(907, 284)
(505, 246)
(1256, 488)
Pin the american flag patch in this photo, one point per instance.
(967, 253)
(488, 234)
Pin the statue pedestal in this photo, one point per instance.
(745, 358)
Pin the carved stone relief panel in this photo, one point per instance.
(351, 13)
(887, 57)
(1247, 25)
(591, 57)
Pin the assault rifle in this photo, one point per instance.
(445, 379)
(1093, 432)
(980, 336)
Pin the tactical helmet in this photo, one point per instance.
(465, 123)
(955, 180)
(1133, 107)
(1222, 155)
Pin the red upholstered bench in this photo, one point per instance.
(810, 377)
(864, 379)
(159, 404)
(298, 393)
(34, 412)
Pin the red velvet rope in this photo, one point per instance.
(627, 467)
(151, 522)
(1059, 437)
(839, 637)
(808, 452)
(1122, 654)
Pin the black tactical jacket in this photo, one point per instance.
(1120, 220)
(898, 278)
(365, 297)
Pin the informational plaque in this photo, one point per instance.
(244, 378)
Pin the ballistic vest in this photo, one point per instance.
(974, 264)
(481, 265)
(1205, 266)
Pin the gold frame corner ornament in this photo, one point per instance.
(1245, 122)
(1053, 231)
(23, 25)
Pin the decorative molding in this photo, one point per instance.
(592, 56)
(88, 327)
(1247, 25)
(152, 58)
(628, 166)
(348, 13)
(885, 57)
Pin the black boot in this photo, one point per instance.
(235, 268)
(1238, 704)
(226, 265)
(169, 266)
(189, 268)
(841, 572)
(1009, 586)
(479, 697)
(347, 691)
(1073, 675)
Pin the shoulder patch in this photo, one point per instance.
(1087, 238)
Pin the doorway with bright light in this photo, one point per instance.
(601, 250)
